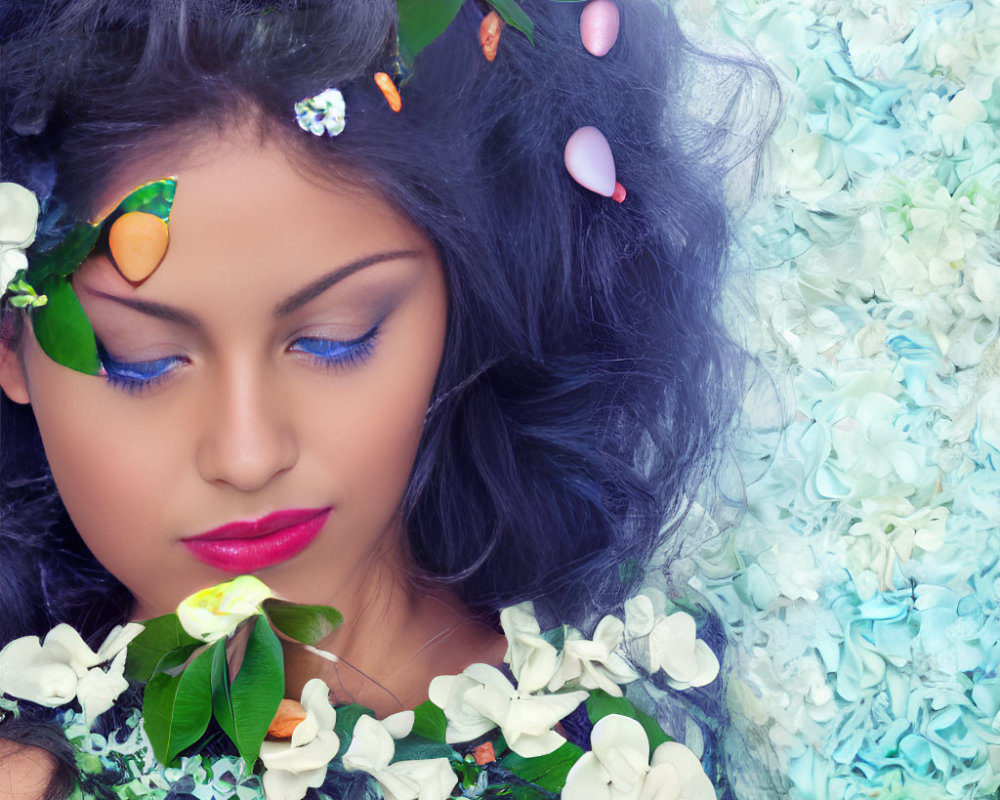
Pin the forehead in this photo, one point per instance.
(247, 206)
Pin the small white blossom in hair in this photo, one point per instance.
(324, 113)
(18, 221)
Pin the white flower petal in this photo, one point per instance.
(587, 780)
(618, 732)
(116, 641)
(434, 777)
(677, 773)
(447, 692)
(400, 724)
(18, 215)
(11, 260)
(281, 785)
(313, 755)
(316, 702)
(26, 672)
(64, 645)
(532, 659)
(372, 748)
(217, 611)
(98, 690)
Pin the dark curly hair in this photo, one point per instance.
(587, 379)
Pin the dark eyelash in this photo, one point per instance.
(133, 376)
(138, 376)
(339, 353)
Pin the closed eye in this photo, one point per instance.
(135, 376)
(336, 353)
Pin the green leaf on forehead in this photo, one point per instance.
(421, 22)
(159, 636)
(176, 710)
(256, 691)
(305, 624)
(66, 256)
(156, 197)
(514, 16)
(62, 328)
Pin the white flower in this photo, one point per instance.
(292, 767)
(324, 113)
(594, 664)
(481, 698)
(18, 222)
(669, 642)
(371, 750)
(62, 667)
(532, 659)
(217, 611)
(618, 767)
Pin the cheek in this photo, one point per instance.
(109, 476)
(373, 432)
(106, 476)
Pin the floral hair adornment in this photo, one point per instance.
(18, 222)
(325, 112)
(135, 234)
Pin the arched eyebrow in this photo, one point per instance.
(317, 287)
(282, 309)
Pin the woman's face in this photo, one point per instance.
(264, 390)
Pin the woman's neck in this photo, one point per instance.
(395, 638)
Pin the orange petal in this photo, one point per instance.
(489, 34)
(389, 91)
(138, 242)
(290, 714)
(484, 754)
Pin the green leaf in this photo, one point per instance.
(417, 748)
(421, 22)
(556, 637)
(347, 718)
(305, 624)
(155, 197)
(600, 704)
(176, 710)
(429, 722)
(222, 703)
(257, 690)
(514, 16)
(173, 660)
(653, 730)
(66, 257)
(159, 636)
(547, 771)
(62, 328)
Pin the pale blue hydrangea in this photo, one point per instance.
(863, 581)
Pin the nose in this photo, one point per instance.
(248, 437)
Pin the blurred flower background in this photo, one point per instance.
(860, 587)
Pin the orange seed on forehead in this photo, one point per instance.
(137, 242)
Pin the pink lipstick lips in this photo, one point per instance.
(241, 547)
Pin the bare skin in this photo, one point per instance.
(244, 419)
(25, 772)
